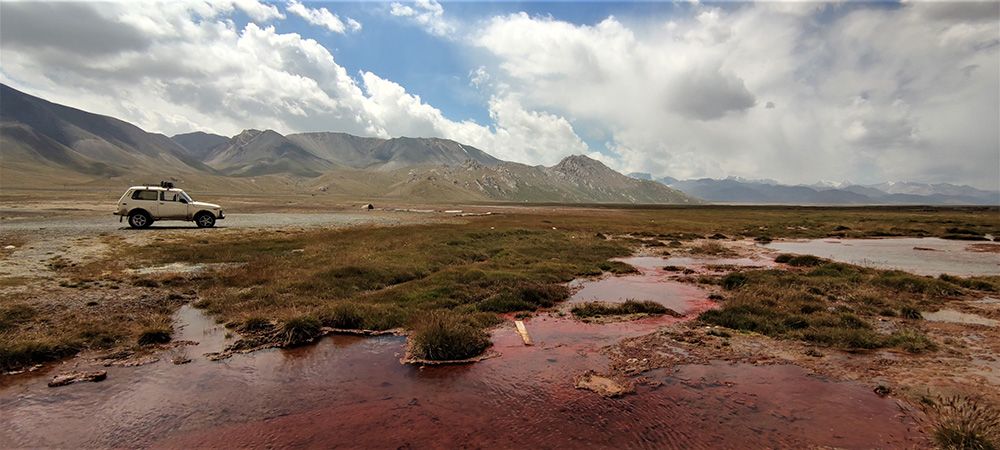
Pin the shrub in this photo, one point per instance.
(444, 336)
(783, 258)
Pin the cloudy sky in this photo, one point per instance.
(795, 92)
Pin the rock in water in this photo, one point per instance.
(74, 377)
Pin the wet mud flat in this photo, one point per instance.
(922, 256)
(352, 391)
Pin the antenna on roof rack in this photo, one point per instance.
(166, 185)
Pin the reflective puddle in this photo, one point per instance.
(927, 256)
(350, 391)
(948, 315)
(657, 282)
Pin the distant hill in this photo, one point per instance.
(255, 153)
(43, 138)
(199, 143)
(734, 190)
(577, 179)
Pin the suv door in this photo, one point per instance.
(145, 199)
(172, 205)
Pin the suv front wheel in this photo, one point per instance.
(139, 219)
(205, 220)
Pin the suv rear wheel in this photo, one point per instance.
(205, 220)
(139, 219)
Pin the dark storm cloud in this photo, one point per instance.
(66, 27)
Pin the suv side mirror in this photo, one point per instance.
(183, 201)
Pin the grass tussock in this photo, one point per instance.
(596, 309)
(155, 334)
(963, 423)
(712, 248)
(300, 329)
(446, 336)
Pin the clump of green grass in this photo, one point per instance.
(805, 261)
(963, 423)
(300, 329)
(255, 325)
(617, 267)
(16, 314)
(734, 280)
(155, 334)
(445, 336)
(594, 309)
(910, 340)
(906, 282)
(833, 304)
(985, 283)
(525, 297)
(910, 312)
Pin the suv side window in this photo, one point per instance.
(144, 195)
(168, 196)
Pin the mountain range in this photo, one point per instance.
(46, 144)
(737, 190)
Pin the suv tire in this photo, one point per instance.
(139, 219)
(204, 220)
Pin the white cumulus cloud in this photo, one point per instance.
(429, 14)
(323, 17)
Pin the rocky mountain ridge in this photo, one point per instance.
(738, 190)
(45, 141)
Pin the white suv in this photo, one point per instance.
(144, 204)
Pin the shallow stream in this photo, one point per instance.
(352, 391)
